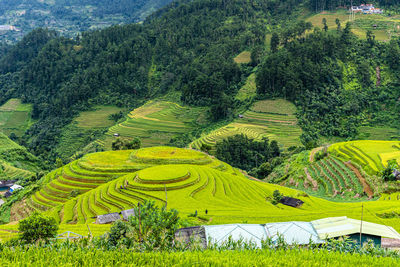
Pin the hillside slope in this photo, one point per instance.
(189, 181)
(274, 119)
(16, 163)
(70, 17)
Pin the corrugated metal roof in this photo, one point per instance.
(341, 226)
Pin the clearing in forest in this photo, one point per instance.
(243, 58)
(382, 26)
(97, 118)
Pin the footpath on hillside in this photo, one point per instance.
(367, 188)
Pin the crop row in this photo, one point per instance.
(334, 176)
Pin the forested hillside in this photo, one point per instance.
(188, 48)
(338, 81)
(70, 17)
(184, 53)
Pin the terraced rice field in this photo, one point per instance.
(188, 181)
(155, 123)
(9, 172)
(96, 169)
(15, 117)
(334, 178)
(371, 155)
(97, 118)
(274, 119)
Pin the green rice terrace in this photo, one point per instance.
(332, 177)
(155, 123)
(15, 161)
(15, 117)
(185, 179)
(274, 119)
(371, 155)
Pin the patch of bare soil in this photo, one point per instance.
(311, 180)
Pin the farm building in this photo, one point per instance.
(292, 202)
(108, 218)
(15, 187)
(293, 232)
(342, 226)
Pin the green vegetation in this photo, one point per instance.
(373, 156)
(37, 227)
(16, 163)
(156, 123)
(273, 119)
(70, 16)
(15, 117)
(248, 90)
(64, 256)
(243, 58)
(99, 117)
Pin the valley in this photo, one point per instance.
(192, 114)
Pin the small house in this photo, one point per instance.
(108, 218)
(292, 202)
(7, 194)
(116, 134)
(15, 187)
(241, 116)
(336, 227)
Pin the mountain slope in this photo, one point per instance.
(70, 17)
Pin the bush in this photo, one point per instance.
(37, 227)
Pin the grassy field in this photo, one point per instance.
(188, 181)
(156, 122)
(86, 128)
(248, 90)
(97, 118)
(274, 119)
(371, 155)
(63, 256)
(243, 58)
(386, 26)
(378, 133)
(15, 117)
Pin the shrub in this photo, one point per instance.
(37, 227)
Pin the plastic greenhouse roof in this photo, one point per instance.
(291, 232)
(341, 226)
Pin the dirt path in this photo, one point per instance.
(367, 188)
(311, 180)
(314, 151)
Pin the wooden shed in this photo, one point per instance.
(292, 202)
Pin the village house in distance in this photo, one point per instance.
(366, 9)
